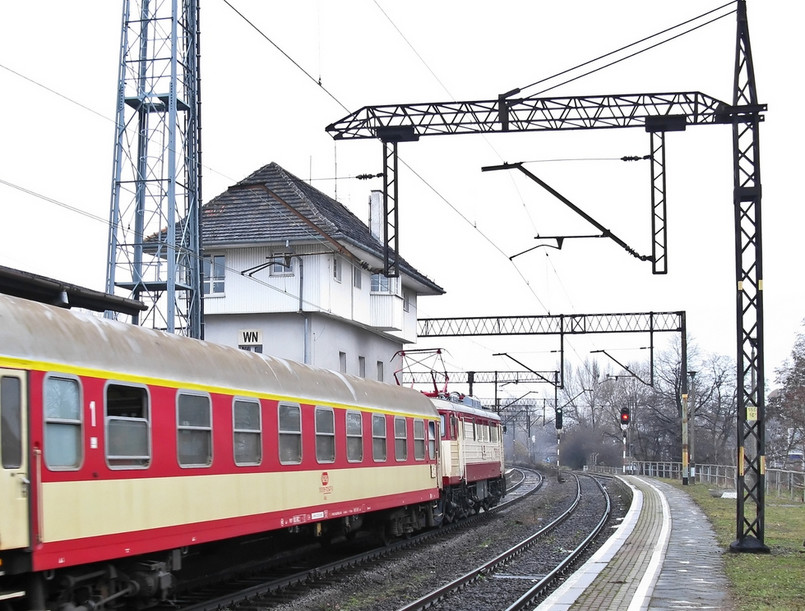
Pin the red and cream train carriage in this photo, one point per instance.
(122, 444)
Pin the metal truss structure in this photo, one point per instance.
(553, 324)
(751, 431)
(657, 113)
(154, 236)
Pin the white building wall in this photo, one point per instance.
(283, 335)
(339, 314)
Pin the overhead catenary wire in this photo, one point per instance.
(318, 83)
(628, 46)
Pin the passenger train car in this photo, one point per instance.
(127, 451)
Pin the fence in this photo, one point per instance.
(779, 482)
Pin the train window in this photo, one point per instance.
(493, 432)
(419, 440)
(400, 439)
(194, 430)
(11, 424)
(469, 429)
(63, 434)
(444, 426)
(290, 434)
(354, 437)
(247, 432)
(325, 434)
(432, 438)
(379, 437)
(128, 425)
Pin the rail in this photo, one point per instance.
(782, 483)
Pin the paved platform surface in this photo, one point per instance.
(663, 556)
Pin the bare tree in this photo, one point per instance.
(785, 415)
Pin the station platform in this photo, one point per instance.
(664, 555)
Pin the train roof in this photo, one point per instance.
(40, 336)
(443, 403)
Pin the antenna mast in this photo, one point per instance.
(154, 235)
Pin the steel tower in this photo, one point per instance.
(154, 235)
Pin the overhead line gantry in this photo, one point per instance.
(657, 113)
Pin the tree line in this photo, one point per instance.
(593, 398)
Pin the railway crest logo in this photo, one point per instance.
(325, 488)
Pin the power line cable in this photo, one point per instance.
(288, 57)
(617, 61)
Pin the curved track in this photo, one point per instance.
(527, 575)
(304, 570)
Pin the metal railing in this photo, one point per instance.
(781, 483)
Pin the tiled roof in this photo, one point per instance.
(248, 214)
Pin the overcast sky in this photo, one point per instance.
(458, 226)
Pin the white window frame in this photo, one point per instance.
(210, 280)
(337, 268)
(281, 264)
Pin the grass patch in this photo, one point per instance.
(760, 581)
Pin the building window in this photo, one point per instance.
(325, 435)
(354, 437)
(290, 434)
(280, 264)
(62, 423)
(194, 430)
(11, 423)
(214, 273)
(342, 362)
(406, 301)
(382, 284)
(400, 439)
(380, 373)
(128, 426)
(337, 268)
(362, 366)
(247, 432)
(419, 440)
(379, 437)
(356, 276)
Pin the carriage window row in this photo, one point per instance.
(127, 425)
(480, 431)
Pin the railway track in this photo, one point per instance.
(518, 577)
(262, 587)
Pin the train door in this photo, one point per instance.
(14, 476)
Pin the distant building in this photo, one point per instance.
(290, 272)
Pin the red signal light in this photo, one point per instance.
(625, 416)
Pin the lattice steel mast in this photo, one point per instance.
(154, 236)
(749, 304)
